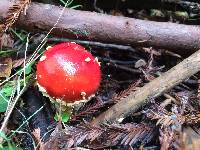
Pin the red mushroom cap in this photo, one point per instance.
(68, 72)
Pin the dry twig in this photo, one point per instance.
(136, 99)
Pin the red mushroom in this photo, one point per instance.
(68, 72)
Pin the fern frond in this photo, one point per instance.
(102, 136)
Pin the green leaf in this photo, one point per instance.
(3, 102)
(5, 93)
(3, 135)
(7, 90)
(3, 105)
(10, 147)
(64, 117)
(56, 117)
(28, 69)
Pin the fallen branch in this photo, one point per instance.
(136, 99)
(105, 28)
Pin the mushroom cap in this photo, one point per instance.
(68, 72)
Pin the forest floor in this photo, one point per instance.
(149, 57)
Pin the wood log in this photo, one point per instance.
(78, 24)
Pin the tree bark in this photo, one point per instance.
(106, 28)
(155, 88)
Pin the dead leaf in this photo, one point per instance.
(7, 40)
(37, 137)
(57, 140)
(140, 63)
(19, 62)
(2, 27)
(36, 134)
(5, 67)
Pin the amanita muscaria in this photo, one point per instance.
(68, 72)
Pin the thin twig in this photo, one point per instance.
(93, 43)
